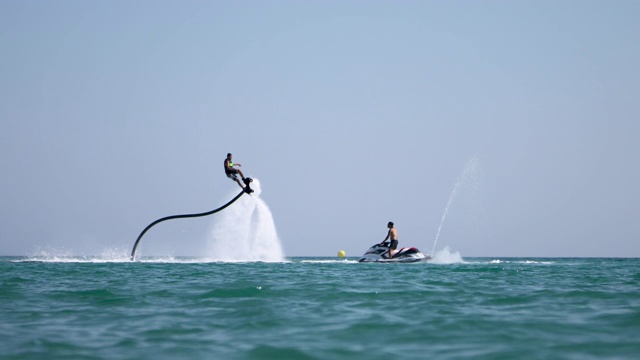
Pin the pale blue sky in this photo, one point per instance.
(351, 113)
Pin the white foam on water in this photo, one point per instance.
(445, 256)
(245, 231)
(343, 261)
(122, 259)
(535, 262)
(525, 262)
(62, 255)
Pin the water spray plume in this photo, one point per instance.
(445, 256)
(468, 170)
(246, 232)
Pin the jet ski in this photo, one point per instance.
(374, 254)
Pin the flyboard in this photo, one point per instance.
(246, 190)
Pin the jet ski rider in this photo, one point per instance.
(230, 171)
(393, 236)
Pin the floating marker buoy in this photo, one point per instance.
(341, 254)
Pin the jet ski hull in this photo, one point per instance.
(404, 255)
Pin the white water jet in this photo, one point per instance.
(467, 171)
(245, 231)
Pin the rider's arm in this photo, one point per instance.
(387, 238)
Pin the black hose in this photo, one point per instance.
(135, 246)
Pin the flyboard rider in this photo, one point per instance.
(232, 173)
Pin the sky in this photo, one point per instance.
(350, 113)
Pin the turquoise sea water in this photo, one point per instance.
(319, 308)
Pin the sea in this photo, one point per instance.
(78, 307)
